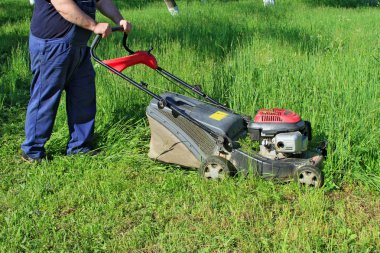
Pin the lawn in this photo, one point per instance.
(321, 62)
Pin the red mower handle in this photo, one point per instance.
(121, 63)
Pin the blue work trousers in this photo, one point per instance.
(58, 65)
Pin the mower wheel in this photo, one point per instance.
(216, 168)
(308, 176)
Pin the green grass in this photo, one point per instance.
(322, 62)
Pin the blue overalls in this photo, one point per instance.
(61, 64)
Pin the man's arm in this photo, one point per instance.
(108, 9)
(70, 11)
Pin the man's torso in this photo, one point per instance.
(47, 23)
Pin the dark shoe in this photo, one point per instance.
(93, 152)
(29, 159)
(86, 151)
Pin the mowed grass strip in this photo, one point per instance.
(321, 62)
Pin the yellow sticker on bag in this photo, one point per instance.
(218, 115)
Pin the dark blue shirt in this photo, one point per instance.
(47, 23)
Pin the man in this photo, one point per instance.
(60, 60)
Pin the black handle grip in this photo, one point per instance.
(117, 29)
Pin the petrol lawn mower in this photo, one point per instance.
(205, 134)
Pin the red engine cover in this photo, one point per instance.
(276, 115)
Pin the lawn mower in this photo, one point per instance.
(206, 134)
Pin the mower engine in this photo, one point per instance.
(281, 133)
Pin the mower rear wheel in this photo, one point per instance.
(216, 168)
(309, 176)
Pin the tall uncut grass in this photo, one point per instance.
(321, 62)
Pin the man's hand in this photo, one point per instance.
(102, 28)
(126, 25)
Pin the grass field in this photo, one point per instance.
(321, 62)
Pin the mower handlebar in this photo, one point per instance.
(98, 38)
(223, 141)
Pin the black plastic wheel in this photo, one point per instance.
(216, 168)
(309, 176)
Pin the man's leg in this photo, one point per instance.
(49, 73)
(81, 105)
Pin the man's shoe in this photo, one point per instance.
(29, 159)
(85, 151)
(94, 152)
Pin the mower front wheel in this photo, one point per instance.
(308, 176)
(216, 168)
